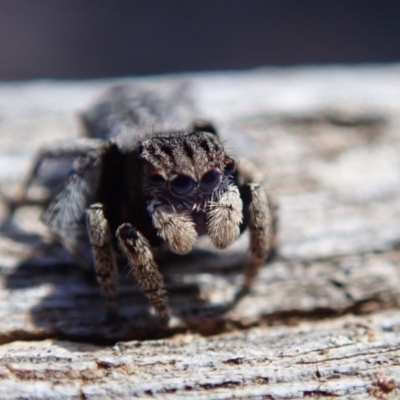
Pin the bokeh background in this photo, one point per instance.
(104, 38)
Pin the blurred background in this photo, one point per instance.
(104, 38)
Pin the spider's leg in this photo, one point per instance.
(202, 125)
(103, 254)
(63, 150)
(261, 218)
(259, 229)
(65, 215)
(138, 251)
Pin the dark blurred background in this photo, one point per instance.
(103, 38)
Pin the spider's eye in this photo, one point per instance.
(230, 168)
(156, 180)
(182, 185)
(210, 179)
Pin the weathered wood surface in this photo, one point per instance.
(323, 318)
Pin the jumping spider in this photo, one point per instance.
(136, 185)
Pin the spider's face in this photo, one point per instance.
(186, 169)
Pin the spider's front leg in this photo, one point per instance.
(138, 251)
(103, 255)
(262, 228)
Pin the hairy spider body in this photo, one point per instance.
(137, 184)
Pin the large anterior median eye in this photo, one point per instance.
(182, 185)
(210, 180)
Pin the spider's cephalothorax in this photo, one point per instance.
(134, 187)
(186, 169)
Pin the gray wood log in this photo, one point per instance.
(323, 318)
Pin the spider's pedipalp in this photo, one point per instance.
(224, 218)
(176, 228)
